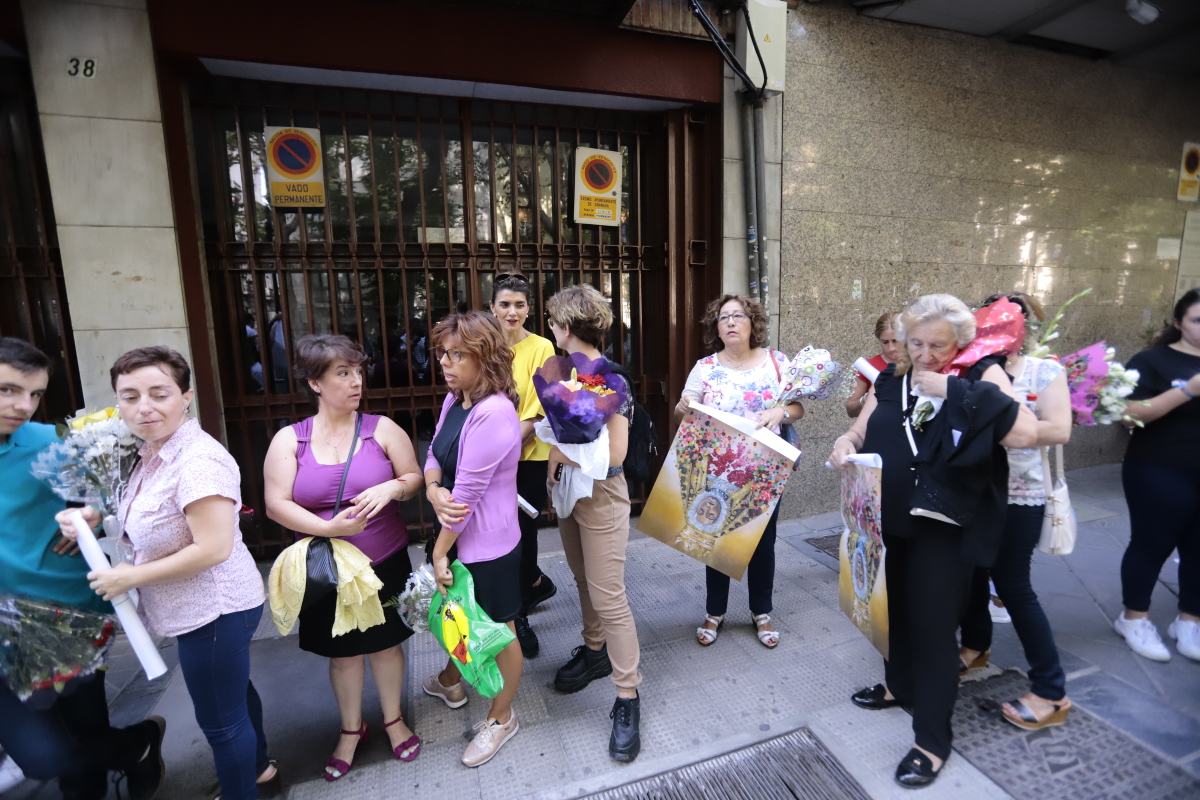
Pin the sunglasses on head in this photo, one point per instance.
(504, 276)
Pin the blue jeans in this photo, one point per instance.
(1010, 573)
(71, 740)
(215, 661)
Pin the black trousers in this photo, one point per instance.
(1164, 515)
(1022, 529)
(760, 577)
(928, 584)
(72, 740)
(531, 485)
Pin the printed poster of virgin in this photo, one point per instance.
(718, 488)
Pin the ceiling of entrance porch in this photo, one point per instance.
(1098, 29)
(445, 87)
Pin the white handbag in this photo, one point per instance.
(1058, 526)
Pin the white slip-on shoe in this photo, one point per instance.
(1142, 637)
(1186, 633)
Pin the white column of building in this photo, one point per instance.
(97, 97)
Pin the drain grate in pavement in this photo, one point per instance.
(784, 768)
(829, 545)
(1087, 758)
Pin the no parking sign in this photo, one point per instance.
(597, 186)
(294, 167)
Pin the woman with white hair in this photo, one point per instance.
(944, 489)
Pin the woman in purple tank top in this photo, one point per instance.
(303, 470)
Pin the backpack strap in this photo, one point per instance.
(775, 364)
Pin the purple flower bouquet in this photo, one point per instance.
(578, 396)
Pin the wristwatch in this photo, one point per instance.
(1181, 385)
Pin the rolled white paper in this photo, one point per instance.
(143, 646)
(527, 507)
(864, 368)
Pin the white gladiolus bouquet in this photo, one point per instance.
(1114, 391)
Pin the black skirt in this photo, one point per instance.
(498, 585)
(316, 622)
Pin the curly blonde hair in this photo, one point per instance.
(753, 309)
(480, 337)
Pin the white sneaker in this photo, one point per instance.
(10, 774)
(490, 738)
(1186, 634)
(1142, 637)
(998, 611)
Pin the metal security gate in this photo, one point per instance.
(428, 199)
(33, 299)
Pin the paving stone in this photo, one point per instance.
(1086, 758)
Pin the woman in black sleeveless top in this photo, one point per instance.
(944, 488)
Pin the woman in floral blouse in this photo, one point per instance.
(743, 378)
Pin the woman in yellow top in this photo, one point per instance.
(510, 305)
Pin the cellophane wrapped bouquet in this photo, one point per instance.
(44, 646)
(413, 603)
(578, 395)
(91, 463)
(1099, 384)
(811, 375)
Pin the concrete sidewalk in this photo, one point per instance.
(698, 702)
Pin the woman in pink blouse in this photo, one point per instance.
(195, 577)
(471, 480)
(303, 473)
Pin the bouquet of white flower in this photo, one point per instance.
(92, 462)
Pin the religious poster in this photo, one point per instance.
(862, 586)
(718, 488)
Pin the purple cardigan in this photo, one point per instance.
(485, 478)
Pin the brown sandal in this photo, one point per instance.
(979, 662)
(1025, 719)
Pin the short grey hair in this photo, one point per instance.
(934, 307)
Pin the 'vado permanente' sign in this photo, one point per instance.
(294, 167)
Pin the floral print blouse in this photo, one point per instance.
(744, 392)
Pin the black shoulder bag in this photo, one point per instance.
(322, 576)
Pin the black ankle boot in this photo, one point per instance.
(626, 740)
(583, 668)
(528, 639)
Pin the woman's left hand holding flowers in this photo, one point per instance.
(114, 582)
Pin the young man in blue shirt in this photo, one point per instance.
(72, 740)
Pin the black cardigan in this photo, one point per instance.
(961, 470)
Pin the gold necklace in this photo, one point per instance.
(334, 444)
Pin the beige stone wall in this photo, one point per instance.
(107, 164)
(917, 160)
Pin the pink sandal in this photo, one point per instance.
(412, 743)
(335, 768)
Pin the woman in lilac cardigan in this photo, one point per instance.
(471, 481)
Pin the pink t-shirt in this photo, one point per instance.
(190, 466)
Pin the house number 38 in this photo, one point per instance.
(81, 66)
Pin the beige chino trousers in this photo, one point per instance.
(594, 538)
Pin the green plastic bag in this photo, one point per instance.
(468, 634)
